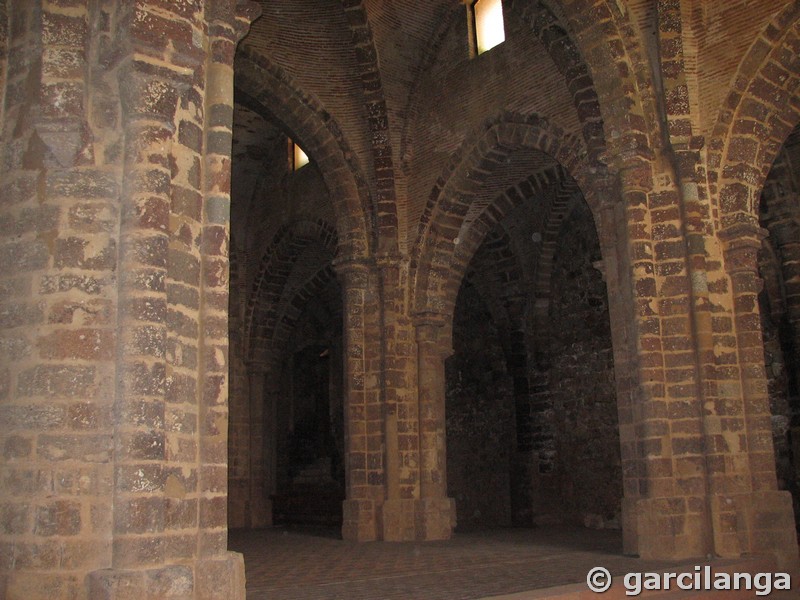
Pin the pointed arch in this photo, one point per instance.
(270, 89)
(605, 37)
(552, 32)
(268, 293)
(454, 223)
(760, 112)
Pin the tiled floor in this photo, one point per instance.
(295, 563)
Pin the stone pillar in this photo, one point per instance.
(218, 573)
(664, 504)
(397, 384)
(436, 513)
(169, 531)
(617, 275)
(363, 419)
(763, 515)
(58, 303)
(140, 443)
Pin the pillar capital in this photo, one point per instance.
(353, 269)
(743, 234)
(741, 243)
(430, 328)
(246, 12)
(429, 318)
(232, 18)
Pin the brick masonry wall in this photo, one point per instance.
(580, 387)
(315, 34)
(775, 362)
(469, 135)
(779, 210)
(480, 416)
(571, 409)
(114, 411)
(457, 94)
(283, 238)
(116, 170)
(660, 241)
(685, 337)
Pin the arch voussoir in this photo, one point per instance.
(268, 89)
(449, 239)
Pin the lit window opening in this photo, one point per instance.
(297, 158)
(487, 25)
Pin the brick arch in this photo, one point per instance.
(499, 279)
(385, 206)
(275, 268)
(494, 268)
(558, 210)
(448, 239)
(537, 283)
(540, 325)
(550, 30)
(267, 88)
(760, 112)
(291, 309)
(531, 314)
(589, 41)
(616, 65)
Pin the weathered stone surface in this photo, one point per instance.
(558, 281)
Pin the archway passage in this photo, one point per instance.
(116, 230)
(479, 416)
(578, 475)
(779, 304)
(531, 412)
(286, 433)
(309, 435)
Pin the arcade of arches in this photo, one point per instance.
(556, 282)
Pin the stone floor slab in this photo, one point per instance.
(313, 564)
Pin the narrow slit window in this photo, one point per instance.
(297, 158)
(487, 25)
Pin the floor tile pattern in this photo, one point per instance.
(313, 564)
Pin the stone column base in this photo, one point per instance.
(435, 518)
(764, 525)
(673, 528)
(418, 520)
(213, 579)
(360, 521)
(399, 520)
(743, 524)
(40, 585)
(630, 527)
(221, 578)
